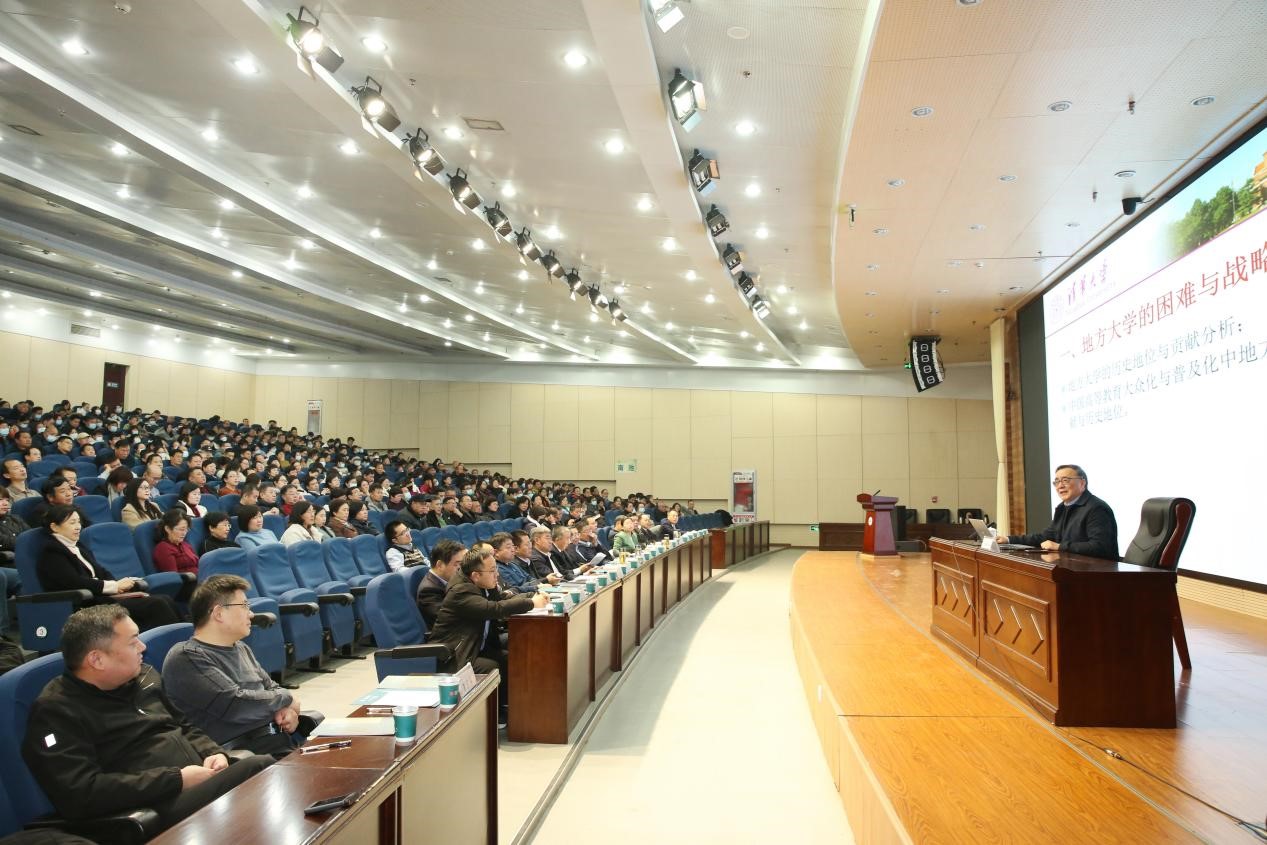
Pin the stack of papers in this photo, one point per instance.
(372, 726)
(392, 697)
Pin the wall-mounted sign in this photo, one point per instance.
(743, 495)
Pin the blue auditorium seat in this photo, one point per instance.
(394, 619)
(158, 641)
(308, 565)
(113, 544)
(41, 613)
(267, 639)
(369, 554)
(96, 508)
(270, 571)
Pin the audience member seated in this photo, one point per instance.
(321, 524)
(291, 496)
(451, 514)
(102, 738)
(401, 551)
(446, 562)
(196, 476)
(647, 532)
(140, 507)
(512, 574)
(116, 481)
(584, 547)
(415, 513)
(300, 525)
(57, 491)
(11, 525)
(232, 478)
(623, 538)
(188, 499)
(172, 553)
(65, 565)
(338, 521)
(359, 518)
(269, 503)
(70, 474)
(252, 534)
(217, 525)
(668, 528)
(467, 615)
(377, 501)
(215, 681)
(15, 480)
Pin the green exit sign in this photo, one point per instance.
(814, 527)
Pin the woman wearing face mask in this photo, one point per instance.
(66, 565)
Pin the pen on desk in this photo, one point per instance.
(325, 746)
(381, 709)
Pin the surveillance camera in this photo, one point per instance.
(1129, 204)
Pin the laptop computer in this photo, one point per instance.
(983, 533)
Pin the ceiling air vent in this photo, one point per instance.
(481, 124)
(86, 331)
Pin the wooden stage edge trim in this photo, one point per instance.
(872, 812)
(585, 728)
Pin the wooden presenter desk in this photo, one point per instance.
(1085, 641)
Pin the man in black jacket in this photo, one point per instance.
(446, 557)
(1082, 524)
(102, 738)
(466, 623)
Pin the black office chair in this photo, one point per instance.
(1164, 524)
(974, 513)
(941, 515)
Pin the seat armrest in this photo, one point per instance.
(73, 596)
(440, 652)
(263, 620)
(188, 577)
(335, 598)
(303, 608)
(359, 591)
(136, 826)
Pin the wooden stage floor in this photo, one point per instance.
(927, 749)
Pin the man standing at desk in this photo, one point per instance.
(1083, 524)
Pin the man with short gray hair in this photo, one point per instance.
(1082, 524)
(103, 738)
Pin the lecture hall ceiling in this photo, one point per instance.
(187, 168)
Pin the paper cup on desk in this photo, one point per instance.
(405, 717)
(591, 587)
(448, 688)
(558, 604)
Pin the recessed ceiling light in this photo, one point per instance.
(1060, 105)
(1203, 101)
(75, 47)
(969, 2)
(803, 325)
(743, 335)
(431, 265)
(118, 149)
(976, 227)
(781, 289)
(553, 233)
(978, 264)
(575, 59)
(478, 244)
(376, 233)
(593, 317)
(869, 314)
(745, 127)
(291, 264)
(246, 65)
(752, 190)
(114, 326)
(872, 293)
(237, 274)
(1007, 177)
(469, 318)
(1015, 288)
(922, 111)
(519, 309)
(691, 276)
(668, 244)
(448, 324)
(123, 192)
(614, 146)
(304, 192)
(954, 262)
(644, 204)
(307, 243)
(896, 183)
(227, 204)
(374, 44)
(1124, 174)
(402, 308)
(448, 343)
(739, 33)
(762, 232)
(709, 298)
(873, 267)
(210, 135)
(792, 309)
(943, 292)
(761, 347)
(422, 297)
(508, 190)
(349, 148)
(95, 294)
(619, 289)
(880, 231)
(452, 133)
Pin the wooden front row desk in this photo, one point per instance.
(1085, 641)
(558, 663)
(408, 793)
(738, 542)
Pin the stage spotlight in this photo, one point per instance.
(704, 173)
(717, 222)
(760, 308)
(308, 39)
(617, 313)
(526, 245)
(733, 260)
(374, 108)
(667, 14)
(552, 264)
(498, 220)
(425, 156)
(686, 96)
(574, 283)
(463, 194)
(597, 300)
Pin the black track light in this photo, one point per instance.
(596, 297)
(552, 264)
(425, 156)
(498, 220)
(704, 173)
(526, 245)
(574, 283)
(717, 222)
(374, 108)
(733, 260)
(305, 33)
(463, 194)
(687, 99)
(617, 313)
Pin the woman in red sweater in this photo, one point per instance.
(172, 553)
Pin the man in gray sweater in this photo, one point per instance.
(219, 686)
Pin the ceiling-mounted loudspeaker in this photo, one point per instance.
(704, 173)
(717, 222)
(926, 366)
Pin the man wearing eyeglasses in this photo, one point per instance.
(1082, 524)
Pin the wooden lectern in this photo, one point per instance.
(877, 537)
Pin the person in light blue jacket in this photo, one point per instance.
(253, 534)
